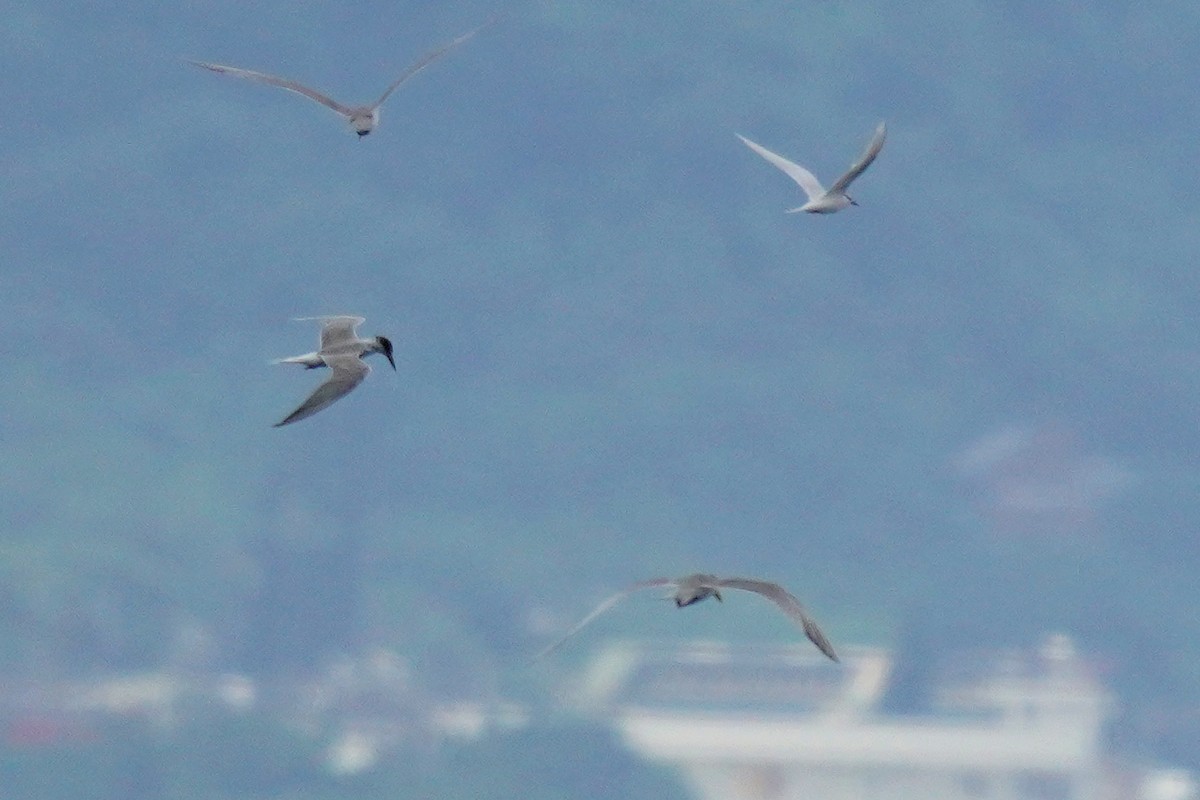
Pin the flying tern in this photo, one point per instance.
(342, 351)
(700, 586)
(363, 119)
(820, 199)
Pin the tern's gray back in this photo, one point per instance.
(697, 580)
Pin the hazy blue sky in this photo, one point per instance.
(618, 357)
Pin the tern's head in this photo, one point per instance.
(364, 120)
(385, 346)
(853, 202)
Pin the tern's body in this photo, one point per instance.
(693, 588)
(363, 119)
(342, 351)
(820, 199)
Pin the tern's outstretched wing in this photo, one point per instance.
(337, 330)
(347, 373)
(808, 182)
(860, 166)
(787, 603)
(427, 59)
(282, 83)
(605, 606)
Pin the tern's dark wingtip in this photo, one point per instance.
(827, 649)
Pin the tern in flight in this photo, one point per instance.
(363, 119)
(342, 351)
(820, 199)
(694, 588)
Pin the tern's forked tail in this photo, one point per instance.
(309, 360)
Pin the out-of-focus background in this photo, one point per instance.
(959, 421)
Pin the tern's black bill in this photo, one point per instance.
(386, 344)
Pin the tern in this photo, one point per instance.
(342, 351)
(700, 586)
(820, 199)
(363, 119)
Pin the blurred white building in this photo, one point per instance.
(781, 723)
